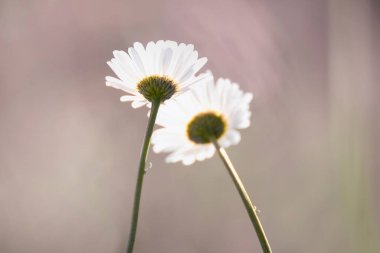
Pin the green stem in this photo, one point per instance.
(141, 173)
(251, 209)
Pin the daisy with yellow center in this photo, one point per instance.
(192, 123)
(202, 121)
(150, 76)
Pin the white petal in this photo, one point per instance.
(127, 65)
(138, 103)
(165, 58)
(136, 58)
(128, 98)
(118, 84)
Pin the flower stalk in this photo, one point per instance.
(141, 173)
(251, 209)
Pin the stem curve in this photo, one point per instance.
(251, 209)
(141, 173)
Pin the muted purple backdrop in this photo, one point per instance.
(69, 149)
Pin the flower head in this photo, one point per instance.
(206, 114)
(157, 72)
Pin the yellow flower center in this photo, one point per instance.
(206, 127)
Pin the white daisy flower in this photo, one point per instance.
(191, 123)
(157, 72)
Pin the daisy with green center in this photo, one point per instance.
(151, 76)
(202, 121)
(157, 72)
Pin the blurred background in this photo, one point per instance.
(69, 149)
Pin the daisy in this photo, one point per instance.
(150, 76)
(207, 114)
(202, 121)
(157, 72)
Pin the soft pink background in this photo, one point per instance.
(69, 149)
